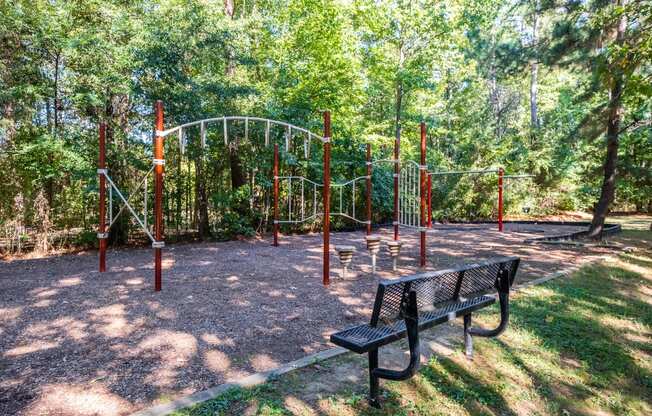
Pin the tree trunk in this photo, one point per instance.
(534, 71)
(237, 175)
(493, 83)
(57, 104)
(238, 178)
(202, 198)
(613, 127)
(399, 92)
(10, 123)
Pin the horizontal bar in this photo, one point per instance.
(167, 132)
(518, 176)
(359, 178)
(302, 178)
(461, 172)
(341, 214)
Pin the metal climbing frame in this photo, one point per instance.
(409, 195)
(306, 208)
(412, 195)
(305, 186)
(344, 209)
(156, 236)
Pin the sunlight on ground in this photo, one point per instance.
(78, 400)
(575, 345)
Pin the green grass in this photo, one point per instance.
(575, 346)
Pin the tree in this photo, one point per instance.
(612, 41)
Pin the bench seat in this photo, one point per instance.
(363, 338)
(410, 304)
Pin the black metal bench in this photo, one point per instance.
(411, 304)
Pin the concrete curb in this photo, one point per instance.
(260, 378)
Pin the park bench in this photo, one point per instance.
(405, 306)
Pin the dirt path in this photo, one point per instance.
(73, 341)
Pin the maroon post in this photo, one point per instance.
(501, 172)
(368, 188)
(276, 225)
(423, 172)
(158, 195)
(429, 201)
(327, 196)
(102, 168)
(397, 143)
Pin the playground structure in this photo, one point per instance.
(412, 186)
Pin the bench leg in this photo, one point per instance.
(468, 340)
(504, 320)
(374, 384)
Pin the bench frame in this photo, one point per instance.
(410, 315)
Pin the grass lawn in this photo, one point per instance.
(579, 345)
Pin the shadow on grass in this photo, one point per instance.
(575, 327)
(468, 391)
(581, 349)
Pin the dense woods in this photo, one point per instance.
(561, 90)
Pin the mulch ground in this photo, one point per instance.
(74, 341)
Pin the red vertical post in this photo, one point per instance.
(327, 196)
(368, 188)
(102, 168)
(429, 201)
(397, 144)
(276, 224)
(501, 172)
(422, 178)
(158, 195)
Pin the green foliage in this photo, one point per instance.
(236, 218)
(381, 67)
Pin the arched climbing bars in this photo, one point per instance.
(158, 163)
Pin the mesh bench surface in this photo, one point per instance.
(441, 296)
(363, 338)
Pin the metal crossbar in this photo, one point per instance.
(462, 172)
(268, 123)
(112, 219)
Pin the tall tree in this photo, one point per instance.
(612, 41)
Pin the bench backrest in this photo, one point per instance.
(436, 289)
